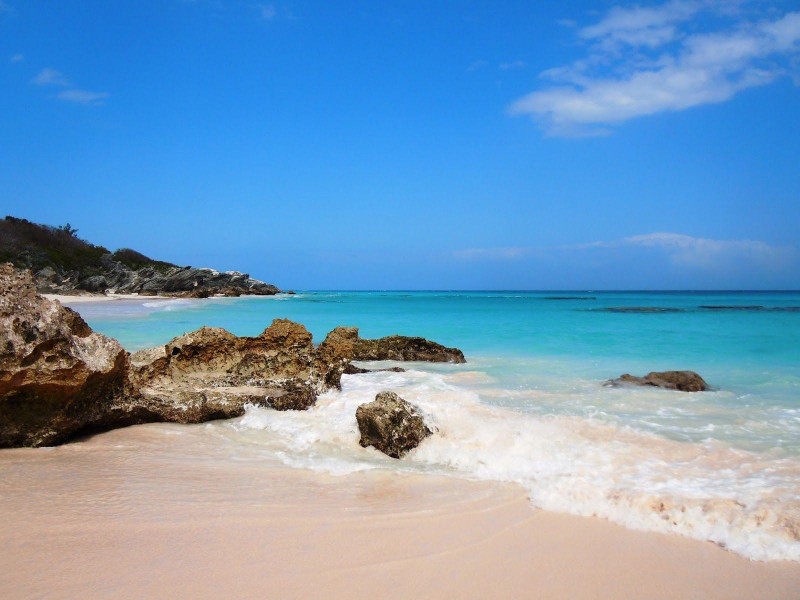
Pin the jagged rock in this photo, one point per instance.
(96, 283)
(219, 371)
(351, 369)
(56, 376)
(684, 381)
(400, 347)
(59, 379)
(334, 355)
(391, 425)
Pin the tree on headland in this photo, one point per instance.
(69, 230)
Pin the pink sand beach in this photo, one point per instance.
(165, 511)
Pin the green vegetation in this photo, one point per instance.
(136, 260)
(34, 246)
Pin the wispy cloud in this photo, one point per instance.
(83, 97)
(50, 76)
(648, 60)
(681, 250)
(17, 58)
(704, 253)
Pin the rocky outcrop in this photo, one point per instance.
(400, 347)
(57, 377)
(66, 264)
(684, 381)
(391, 425)
(334, 355)
(187, 282)
(213, 371)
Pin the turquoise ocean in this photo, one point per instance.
(529, 406)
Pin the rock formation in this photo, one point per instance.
(57, 377)
(684, 381)
(351, 369)
(391, 425)
(216, 373)
(66, 264)
(400, 347)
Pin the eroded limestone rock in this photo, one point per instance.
(391, 425)
(57, 376)
(405, 348)
(684, 381)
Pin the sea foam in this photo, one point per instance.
(581, 465)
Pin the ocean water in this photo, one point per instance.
(529, 406)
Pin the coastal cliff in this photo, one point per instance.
(62, 263)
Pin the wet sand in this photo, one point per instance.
(162, 511)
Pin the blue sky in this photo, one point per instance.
(415, 145)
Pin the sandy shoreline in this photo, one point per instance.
(91, 298)
(149, 511)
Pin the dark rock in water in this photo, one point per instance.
(400, 347)
(56, 375)
(391, 425)
(684, 381)
(354, 370)
(569, 298)
(351, 369)
(639, 309)
(721, 307)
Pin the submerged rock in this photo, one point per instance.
(400, 347)
(684, 381)
(391, 425)
(639, 309)
(57, 376)
(351, 369)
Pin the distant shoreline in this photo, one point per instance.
(87, 298)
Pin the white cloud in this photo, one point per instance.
(50, 76)
(703, 253)
(83, 97)
(645, 26)
(694, 253)
(641, 62)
